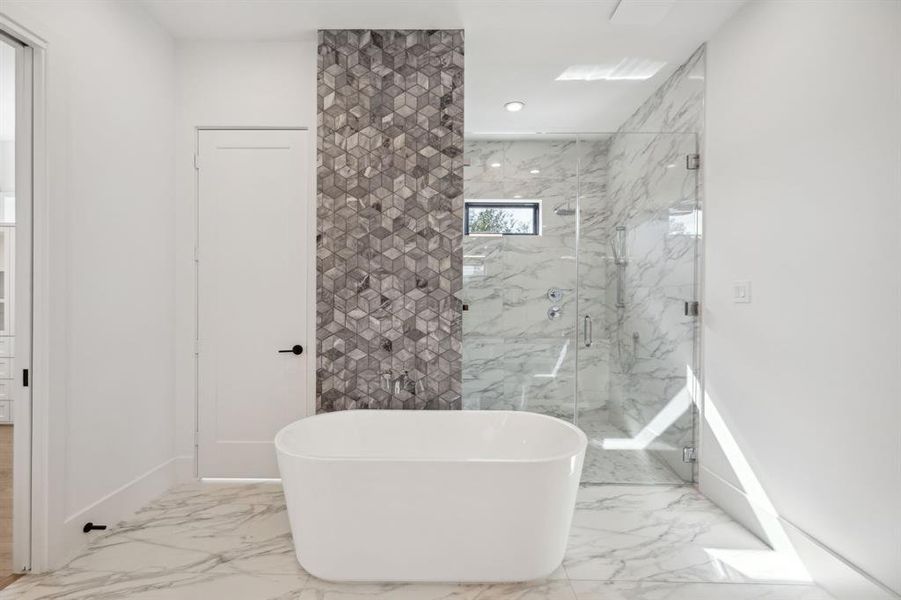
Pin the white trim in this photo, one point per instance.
(311, 273)
(827, 568)
(20, 292)
(184, 468)
(22, 33)
(40, 319)
(31, 463)
(120, 503)
(310, 269)
(251, 128)
(240, 480)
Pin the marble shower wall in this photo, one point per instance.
(514, 357)
(656, 198)
(389, 218)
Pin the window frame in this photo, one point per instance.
(535, 205)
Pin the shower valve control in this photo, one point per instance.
(554, 312)
(555, 294)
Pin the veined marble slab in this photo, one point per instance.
(232, 542)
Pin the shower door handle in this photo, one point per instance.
(588, 331)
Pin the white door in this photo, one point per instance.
(252, 296)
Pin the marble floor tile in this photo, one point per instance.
(605, 466)
(597, 554)
(676, 513)
(551, 590)
(664, 533)
(324, 590)
(201, 528)
(170, 585)
(624, 590)
(232, 542)
(625, 466)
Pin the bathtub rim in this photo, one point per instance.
(582, 442)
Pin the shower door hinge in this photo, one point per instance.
(196, 161)
(692, 162)
(689, 454)
(692, 308)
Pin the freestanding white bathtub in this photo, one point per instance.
(392, 495)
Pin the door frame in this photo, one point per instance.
(310, 263)
(32, 415)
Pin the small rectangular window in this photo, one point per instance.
(502, 218)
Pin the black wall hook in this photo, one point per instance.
(88, 527)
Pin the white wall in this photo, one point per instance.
(226, 84)
(7, 117)
(804, 200)
(110, 107)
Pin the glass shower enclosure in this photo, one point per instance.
(580, 265)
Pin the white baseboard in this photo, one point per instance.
(184, 469)
(113, 508)
(833, 572)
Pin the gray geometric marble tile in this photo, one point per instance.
(389, 218)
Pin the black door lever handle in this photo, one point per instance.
(296, 349)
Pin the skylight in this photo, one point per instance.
(628, 69)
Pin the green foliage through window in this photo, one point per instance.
(502, 218)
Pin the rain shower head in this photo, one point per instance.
(564, 211)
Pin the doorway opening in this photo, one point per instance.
(16, 185)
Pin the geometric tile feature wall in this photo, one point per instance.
(389, 219)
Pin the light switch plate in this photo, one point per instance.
(741, 292)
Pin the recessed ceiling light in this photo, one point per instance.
(495, 165)
(517, 196)
(515, 106)
(534, 171)
(628, 69)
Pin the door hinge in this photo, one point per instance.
(692, 162)
(196, 346)
(692, 308)
(689, 454)
(196, 254)
(24, 377)
(196, 438)
(196, 161)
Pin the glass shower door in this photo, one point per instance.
(638, 257)
(519, 281)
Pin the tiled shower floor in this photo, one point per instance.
(232, 542)
(619, 466)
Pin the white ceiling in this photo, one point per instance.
(514, 48)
